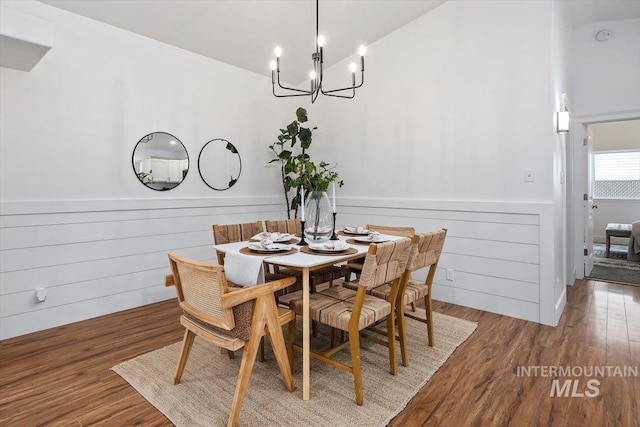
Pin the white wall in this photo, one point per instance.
(74, 217)
(606, 75)
(456, 105)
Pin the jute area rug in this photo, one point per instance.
(204, 396)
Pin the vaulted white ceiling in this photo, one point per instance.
(244, 33)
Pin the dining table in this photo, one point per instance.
(305, 263)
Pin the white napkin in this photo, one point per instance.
(243, 270)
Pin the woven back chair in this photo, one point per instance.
(392, 230)
(355, 266)
(429, 249)
(232, 233)
(354, 310)
(291, 226)
(231, 319)
(317, 277)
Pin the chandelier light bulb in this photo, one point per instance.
(272, 64)
(312, 75)
(278, 51)
(352, 67)
(362, 50)
(321, 40)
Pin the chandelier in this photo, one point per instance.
(316, 74)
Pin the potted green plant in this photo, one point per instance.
(297, 170)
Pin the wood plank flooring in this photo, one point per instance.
(61, 376)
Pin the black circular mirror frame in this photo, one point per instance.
(164, 152)
(219, 151)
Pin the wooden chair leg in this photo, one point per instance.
(292, 339)
(391, 337)
(402, 334)
(413, 306)
(187, 343)
(354, 344)
(333, 337)
(246, 366)
(427, 305)
(314, 328)
(231, 354)
(277, 342)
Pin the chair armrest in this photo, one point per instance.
(231, 299)
(169, 281)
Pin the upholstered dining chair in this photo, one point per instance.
(353, 311)
(231, 319)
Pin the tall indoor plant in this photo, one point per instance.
(297, 170)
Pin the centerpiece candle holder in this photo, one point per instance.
(302, 242)
(334, 236)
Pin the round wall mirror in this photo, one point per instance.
(219, 164)
(160, 161)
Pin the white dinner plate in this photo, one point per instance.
(354, 231)
(322, 248)
(368, 239)
(274, 247)
(274, 237)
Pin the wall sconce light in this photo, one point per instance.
(562, 122)
(563, 116)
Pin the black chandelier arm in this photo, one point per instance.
(306, 92)
(341, 96)
(289, 95)
(329, 92)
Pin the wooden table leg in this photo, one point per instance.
(306, 382)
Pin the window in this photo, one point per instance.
(617, 174)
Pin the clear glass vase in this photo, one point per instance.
(319, 217)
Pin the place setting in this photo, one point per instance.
(268, 246)
(363, 236)
(331, 247)
(275, 237)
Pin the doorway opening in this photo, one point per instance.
(610, 175)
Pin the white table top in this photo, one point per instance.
(299, 259)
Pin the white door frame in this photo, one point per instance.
(579, 180)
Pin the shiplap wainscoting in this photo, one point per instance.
(99, 257)
(102, 256)
(493, 249)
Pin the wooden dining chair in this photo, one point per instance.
(231, 319)
(291, 226)
(317, 277)
(232, 233)
(355, 266)
(429, 249)
(353, 311)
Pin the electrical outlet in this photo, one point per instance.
(41, 294)
(450, 274)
